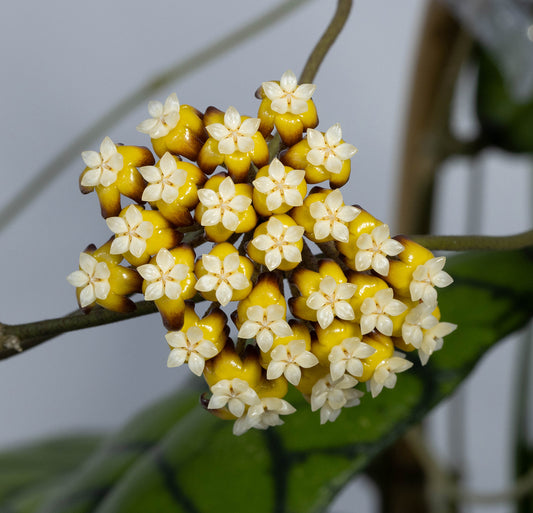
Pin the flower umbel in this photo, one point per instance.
(253, 233)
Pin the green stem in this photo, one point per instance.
(475, 242)
(60, 161)
(326, 41)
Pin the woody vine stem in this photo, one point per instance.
(16, 338)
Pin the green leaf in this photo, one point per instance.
(28, 475)
(198, 466)
(505, 122)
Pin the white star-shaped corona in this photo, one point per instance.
(235, 134)
(331, 301)
(288, 360)
(385, 374)
(264, 324)
(279, 243)
(164, 278)
(222, 276)
(263, 415)
(235, 393)
(374, 248)
(428, 276)
(131, 232)
(330, 396)
(280, 187)
(433, 340)
(223, 206)
(93, 276)
(416, 322)
(331, 216)
(347, 356)
(164, 117)
(190, 347)
(288, 96)
(103, 166)
(164, 181)
(327, 150)
(377, 312)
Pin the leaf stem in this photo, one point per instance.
(475, 242)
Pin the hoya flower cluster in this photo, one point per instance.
(320, 296)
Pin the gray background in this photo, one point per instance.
(65, 63)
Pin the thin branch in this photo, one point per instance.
(326, 41)
(15, 338)
(475, 242)
(59, 162)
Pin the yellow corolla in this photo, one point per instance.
(325, 216)
(233, 381)
(140, 233)
(290, 354)
(278, 188)
(262, 315)
(325, 294)
(100, 279)
(112, 172)
(224, 275)
(168, 281)
(277, 243)
(198, 340)
(225, 208)
(287, 106)
(324, 156)
(234, 141)
(174, 128)
(172, 188)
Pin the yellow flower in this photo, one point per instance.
(262, 314)
(324, 156)
(173, 188)
(277, 243)
(224, 275)
(174, 128)
(278, 188)
(324, 295)
(112, 172)
(325, 216)
(234, 141)
(225, 208)
(287, 106)
(102, 280)
(168, 281)
(198, 340)
(141, 233)
(290, 354)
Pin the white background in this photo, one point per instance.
(65, 63)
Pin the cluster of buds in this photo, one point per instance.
(356, 296)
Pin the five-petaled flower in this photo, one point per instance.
(347, 356)
(330, 396)
(224, 275)
(374, 248)
(102, 167)
(225, 208)
(92, 279)
(278, 188)
(265, 323)
(378, 310)
(235, 393)
(277, 243)
(287, 360)
(385, 374)
(428, 276)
